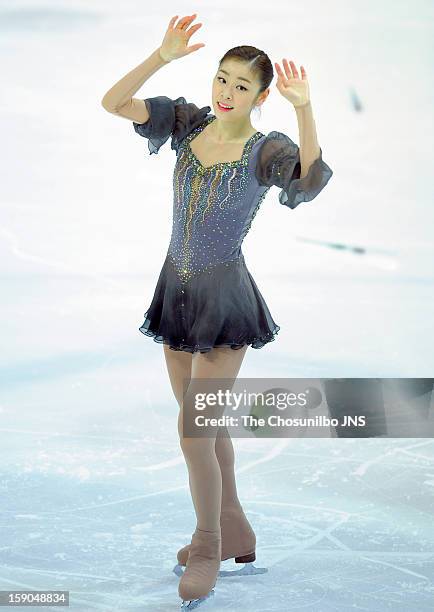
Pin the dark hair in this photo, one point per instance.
(260, 63)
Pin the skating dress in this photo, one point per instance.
(205, 296)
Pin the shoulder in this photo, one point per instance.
(169, 117)
(165, 112)
(187, 113)
(277, 154)
(188, 116)
(275, 142)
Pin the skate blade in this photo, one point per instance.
(248, 570)
(195, 603)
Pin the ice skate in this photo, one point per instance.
(203, 563)
(195, 603)
(238, 543)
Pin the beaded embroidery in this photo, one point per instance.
(231, 164)
(210, 214)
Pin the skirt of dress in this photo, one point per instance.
(218, 307)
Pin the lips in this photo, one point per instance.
(222, 107)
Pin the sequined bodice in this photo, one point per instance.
(213, 207)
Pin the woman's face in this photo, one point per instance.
(234, 85)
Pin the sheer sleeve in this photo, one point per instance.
(278, 164)
(167, 117)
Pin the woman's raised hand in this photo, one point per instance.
(175, 41)
(290, 85)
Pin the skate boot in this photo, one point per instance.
(238, 542)
(203, 563)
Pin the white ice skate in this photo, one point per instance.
(238, 543)
(199, 578)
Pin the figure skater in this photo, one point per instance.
(207, 309)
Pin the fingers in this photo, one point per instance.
(172, 21)
(184, 22)
(193, 29)
(195, 47)
(278, 69)
(294, 69)
(290, 68)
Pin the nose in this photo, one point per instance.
(226, 94)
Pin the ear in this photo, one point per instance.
(264, 95)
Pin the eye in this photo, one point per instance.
(245, 88)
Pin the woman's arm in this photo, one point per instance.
(296, 90)
(309, 147)
(118, 100)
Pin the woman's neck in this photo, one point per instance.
(222, 132)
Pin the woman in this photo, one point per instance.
(207, 308)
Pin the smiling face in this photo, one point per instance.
(235, 85)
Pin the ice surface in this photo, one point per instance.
(94, 494)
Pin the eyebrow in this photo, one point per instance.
(239, 78)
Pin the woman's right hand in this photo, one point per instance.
(175, 41)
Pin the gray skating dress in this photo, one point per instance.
(205, 296)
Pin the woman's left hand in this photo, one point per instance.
(290, 85)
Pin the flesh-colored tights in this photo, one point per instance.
(210, 461)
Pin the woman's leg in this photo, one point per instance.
(205, 474)
(224, 450)
(179, 368)
(179, 364)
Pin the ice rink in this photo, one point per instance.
(94, 488)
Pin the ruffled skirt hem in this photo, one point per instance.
(218, 307)
(255, 343)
